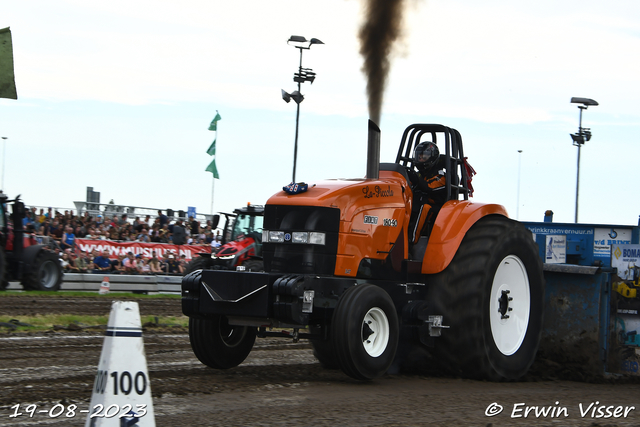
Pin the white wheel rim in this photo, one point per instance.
(510, 305)
(375, 332)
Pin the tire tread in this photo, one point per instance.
(458, 293)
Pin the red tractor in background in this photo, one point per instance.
(241, 243)
(21, 257)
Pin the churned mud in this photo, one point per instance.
(282, 384)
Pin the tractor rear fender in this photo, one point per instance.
(30, 253)
(452, 223)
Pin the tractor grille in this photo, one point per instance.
(298, 258)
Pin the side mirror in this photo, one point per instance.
(215, 220)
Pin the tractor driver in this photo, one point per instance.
(428, 185)
(429, 182)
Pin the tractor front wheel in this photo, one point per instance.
(253, 265)
(364, 332)
(218, 344)
(323, 349)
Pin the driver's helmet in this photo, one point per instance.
(425, 156)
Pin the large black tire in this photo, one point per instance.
(44, 273)
(4, 283)
(323, 350)
(364, 332)
(218, 344)
(198, 263)
(492, 297)
(254, 265)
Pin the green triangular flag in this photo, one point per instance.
(7, 79)
(213, 169)
(212, 149)
(214, 122)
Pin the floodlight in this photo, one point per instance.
(297, 39)
(586, 101)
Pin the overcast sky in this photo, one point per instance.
(118, 95)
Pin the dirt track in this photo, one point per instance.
(279, 384)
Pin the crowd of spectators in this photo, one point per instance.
(97, 262)
(60, 231)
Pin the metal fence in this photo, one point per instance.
(117, 283)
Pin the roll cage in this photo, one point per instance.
(453, 160)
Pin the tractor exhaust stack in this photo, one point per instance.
(373, 151)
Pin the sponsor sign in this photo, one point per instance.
(625, 258)
(603, 238)
(555, 249)
(144, 249)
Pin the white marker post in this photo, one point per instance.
(121, 391)
(104, 286)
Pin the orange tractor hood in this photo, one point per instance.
(351, 196)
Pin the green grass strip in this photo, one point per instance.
(73, 322)
(67, 294)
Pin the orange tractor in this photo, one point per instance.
(367, 276)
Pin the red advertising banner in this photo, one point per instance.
(144, 249)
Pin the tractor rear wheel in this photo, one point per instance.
(364, 332)
(44, 274)
(218, 344)
(491, 296)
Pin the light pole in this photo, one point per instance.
(518, 196)
(4, 143)
(583, 135)
(303, 75)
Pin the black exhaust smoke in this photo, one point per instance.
(382, 27)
